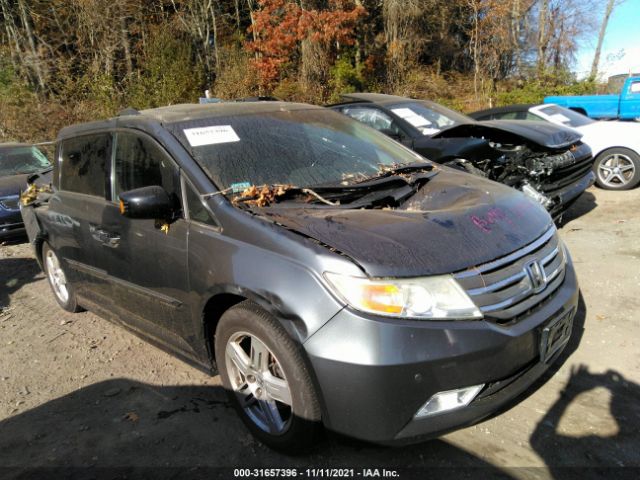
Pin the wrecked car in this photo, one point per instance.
(547, 162)
(331, 276)
(18, 161)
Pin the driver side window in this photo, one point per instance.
(141, 162)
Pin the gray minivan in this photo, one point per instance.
(329, 274)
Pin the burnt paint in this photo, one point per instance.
(454, 222)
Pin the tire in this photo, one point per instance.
(276, 399)
(62, 291)
(617, 169)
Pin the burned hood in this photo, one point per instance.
(544, 134)
(456, 221)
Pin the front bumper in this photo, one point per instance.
(374, 374)
(564, 197)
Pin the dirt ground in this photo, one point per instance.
(77, 391)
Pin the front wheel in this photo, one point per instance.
(617, 169)
(267, 378)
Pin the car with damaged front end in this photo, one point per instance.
(547, 162)
(330, 275)
(18, 162)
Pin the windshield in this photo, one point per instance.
(565, 116)
(21, 159)
(304, 148)
(429, 118)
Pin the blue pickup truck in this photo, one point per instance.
(625, 106)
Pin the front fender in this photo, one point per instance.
(36, 233)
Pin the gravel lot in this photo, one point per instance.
(77, 391)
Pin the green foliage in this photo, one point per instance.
(236, 77)
(535, 91)
(169, 73)
(346, 77)
(12, 89)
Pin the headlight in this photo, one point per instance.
(438, 297)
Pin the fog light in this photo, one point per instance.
(450, 400)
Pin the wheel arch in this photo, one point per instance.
(224, 298)
(612, 147)
(579, 110)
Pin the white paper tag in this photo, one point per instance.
(417, 121)
(198, 137)
(403, 112)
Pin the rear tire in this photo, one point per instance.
(62, 290)
(267, 379)
(617, 169)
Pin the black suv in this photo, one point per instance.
(330, 275)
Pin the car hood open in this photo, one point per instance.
(455, 222)
(543, 134)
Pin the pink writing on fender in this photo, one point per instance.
(494, 215)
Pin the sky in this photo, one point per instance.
(621, 40)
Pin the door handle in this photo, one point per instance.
(105, 237)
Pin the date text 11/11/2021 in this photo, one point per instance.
(315, 473)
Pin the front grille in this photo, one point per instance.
(10, 203)
(512, 285)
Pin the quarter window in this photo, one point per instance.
(197, 211)
(141, 162)
(84, 164)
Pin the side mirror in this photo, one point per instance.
(149, 203)
(391, 133)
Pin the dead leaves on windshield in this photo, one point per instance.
(262, 196)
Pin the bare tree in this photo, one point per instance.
(611, 4)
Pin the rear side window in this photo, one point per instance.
(141, 162)
(84, 164)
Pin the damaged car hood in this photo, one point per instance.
(543, 134)
(453, 223)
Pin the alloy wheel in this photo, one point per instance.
(259, 383)
(57, 277)
(616, 170)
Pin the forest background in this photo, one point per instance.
(68, 61)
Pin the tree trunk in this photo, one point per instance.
(603, 30)
(542, 35)
(26, 21)
(124, 40)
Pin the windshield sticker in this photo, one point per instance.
(403, 112)
(198, 137)
(239, 187)
(417, 121)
